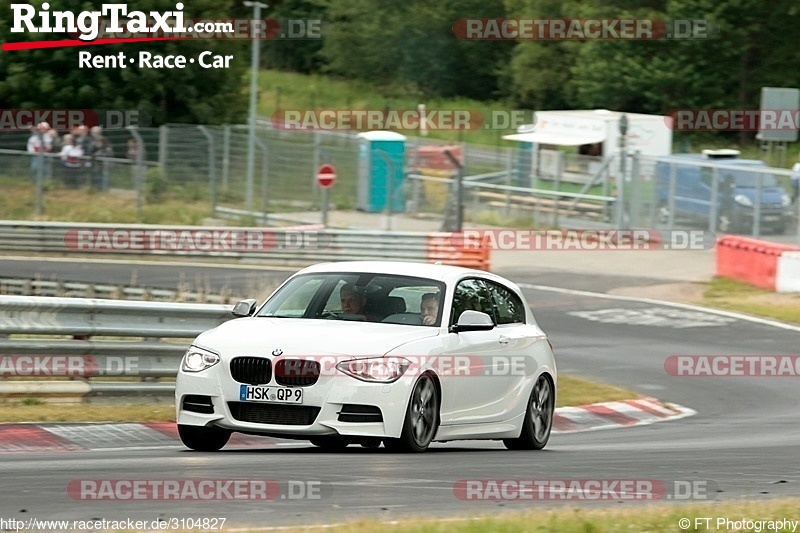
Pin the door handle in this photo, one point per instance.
(503, 339)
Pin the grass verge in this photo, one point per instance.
(724, 293)
(571, 391)
(744, 516)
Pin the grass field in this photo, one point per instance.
(724, 293)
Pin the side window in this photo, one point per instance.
(507, 305)
(706, 175)
(471, 294)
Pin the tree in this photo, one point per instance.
(51, 79)
(411, 45)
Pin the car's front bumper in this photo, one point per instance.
(330, 395)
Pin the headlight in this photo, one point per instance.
(785, 200)
(741, 199)
(196, 359)
(375, 369)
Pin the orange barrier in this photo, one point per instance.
(750, 260)
(434, 157)
(448, 250)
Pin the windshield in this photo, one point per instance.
(749, 178)
(360, 297)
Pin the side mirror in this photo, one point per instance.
(472, 321)
(244, 308)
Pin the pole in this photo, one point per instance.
(254, 60)
(325, 196)
(623, 132)
(139, 174)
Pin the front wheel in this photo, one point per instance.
(422, 418)
(203, 439)
(538, 418)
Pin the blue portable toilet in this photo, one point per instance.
(382, 160)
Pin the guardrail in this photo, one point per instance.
(74, 289)
(137, 347)
(282, 246)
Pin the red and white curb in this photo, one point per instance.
(67, 437)
(611, 415)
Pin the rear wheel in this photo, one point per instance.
(203, 439)
(538, 418)
(422, 418)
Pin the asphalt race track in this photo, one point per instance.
(743, 443)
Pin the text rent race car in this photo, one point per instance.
(371, 352)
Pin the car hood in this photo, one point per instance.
(768, 194)
(298, 336)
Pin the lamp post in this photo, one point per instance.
(623, 132)
(251, 139)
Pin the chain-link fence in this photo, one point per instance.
(501, 185)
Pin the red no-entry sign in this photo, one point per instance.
(326, 175)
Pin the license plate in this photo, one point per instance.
(253, 393)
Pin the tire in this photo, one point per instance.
(204, 439)
(662, 213)
(330, 443)
(725, 223)
(421, 420)
(538, 418)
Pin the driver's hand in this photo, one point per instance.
(428, 320)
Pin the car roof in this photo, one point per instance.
(446, 273)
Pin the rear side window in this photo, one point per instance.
(507, 305)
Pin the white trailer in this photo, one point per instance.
(597, 133)
(649, 134)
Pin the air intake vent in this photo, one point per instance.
(352, 412)
(284, 415)
(296, 372)
(251, 370)
(198, 404)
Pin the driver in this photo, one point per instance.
(353, 302)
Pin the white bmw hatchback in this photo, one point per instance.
(366, 353)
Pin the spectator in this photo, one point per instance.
(39, 143)
(99, 146)
(133, 149)
(52, 140)
(795, 180)
(429, 308)
(72, 159)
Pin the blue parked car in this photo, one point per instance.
(736, 193)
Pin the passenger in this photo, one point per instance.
(429, 308)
